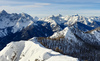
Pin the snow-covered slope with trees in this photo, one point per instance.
(31, 50)
(70, 33)
(74, 42)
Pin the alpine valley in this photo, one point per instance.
(53, 38)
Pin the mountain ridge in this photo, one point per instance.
(75, 35)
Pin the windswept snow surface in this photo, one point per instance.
(31, 50)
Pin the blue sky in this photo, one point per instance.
(42, 8)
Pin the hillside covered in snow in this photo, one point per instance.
(31, 50)
(74, 42)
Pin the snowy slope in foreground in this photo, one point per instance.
(31, 51)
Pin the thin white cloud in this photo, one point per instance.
(76, 5)
(21, 8)
(42, 3)
(18, 2)
(34, 5)
(9, 5)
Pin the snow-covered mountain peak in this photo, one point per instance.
(54, 21)
(59, 15)
(76, 18)
(36, 18)
(55, 18)
(51, 16)
(69, 35)
(66, 33)
(16, 22)
(95, 18)
(24, 15)
(75, 15)
(3, 12)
